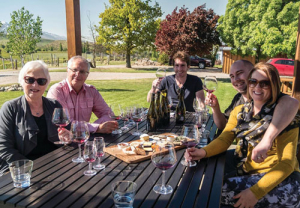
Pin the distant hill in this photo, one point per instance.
(46, 35)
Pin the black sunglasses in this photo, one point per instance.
(262, 84)
(31, 80)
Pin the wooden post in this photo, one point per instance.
(57, 61)
(296, 81)
(51, 59)
(3, 63)
(73, 28)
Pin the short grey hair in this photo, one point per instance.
(81, 58)
(33, 65)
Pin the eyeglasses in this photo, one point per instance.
(82, 72)
(31, 80)
(262, 84)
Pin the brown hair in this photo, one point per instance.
(183, 56)
(272, 75)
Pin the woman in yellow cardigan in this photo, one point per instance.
(275, 182)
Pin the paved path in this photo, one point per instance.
(11, 76)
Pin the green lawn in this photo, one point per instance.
(129, 92)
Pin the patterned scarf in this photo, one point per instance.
(251, 129)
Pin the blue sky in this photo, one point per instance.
(52, 12)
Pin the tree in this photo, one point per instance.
(193, 32)
(260, 28)
(1, 32)
(128, 24)
(23, 33)
(60, 47)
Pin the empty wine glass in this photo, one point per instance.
(164, 159)
(61, 118)
(193, 135)
(125, 117)
(172, 108)
(89, 154)
(113, 115)
(79, 134)
(210, 84)
(197, 105)
(99, 145)
(160, 74)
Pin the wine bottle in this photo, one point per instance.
(158, 109)
(180, 109)
(165, 107)
(152, 115)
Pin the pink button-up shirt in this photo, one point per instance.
(81, 105)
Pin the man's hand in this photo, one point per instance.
(211, 100)
(107, 127)
(259, 153)
(246, 199)
(64, 135)
(156, 83)
(194, 154)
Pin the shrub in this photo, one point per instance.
(163, 58)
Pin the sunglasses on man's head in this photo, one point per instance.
(31, 80)
(262, 83)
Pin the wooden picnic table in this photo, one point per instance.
(58, 182)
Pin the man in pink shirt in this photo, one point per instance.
(82, 99)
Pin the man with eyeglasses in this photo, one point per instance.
(82, 99)
(284, 113)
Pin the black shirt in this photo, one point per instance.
(192, 85)
(43, 146)
(237, 100)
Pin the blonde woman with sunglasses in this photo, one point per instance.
(26, 130)
(275, 181)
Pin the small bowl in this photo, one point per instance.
(123, 145)
(170, 139)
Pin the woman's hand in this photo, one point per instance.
(64, 135)
(156, 83)
(194, 154)
(246, 199)
(259, 153)
(107, 127)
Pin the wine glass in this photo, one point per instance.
(160, 74)
(164, 159)
(89, 154)
(210, 84)
(138, 116)
(193, 135)
(197, 105)
(125, 117)
(99, 145)
(61, 118)
(116, 117)
(79, 134)
(172, 110)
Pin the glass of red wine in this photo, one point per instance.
(89, 154)
(164, 159)
(113, 115)
(61, 118)
(210, 84)
(192, 135)
(138, 116)
(79, 134)
(99, 145)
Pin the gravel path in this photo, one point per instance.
(11, 76)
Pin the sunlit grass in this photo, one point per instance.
(131, 92)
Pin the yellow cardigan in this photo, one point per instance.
(279, 164)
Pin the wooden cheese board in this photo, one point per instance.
(134, 158)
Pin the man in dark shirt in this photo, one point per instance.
(192, 84)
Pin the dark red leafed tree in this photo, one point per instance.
(193, 32)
